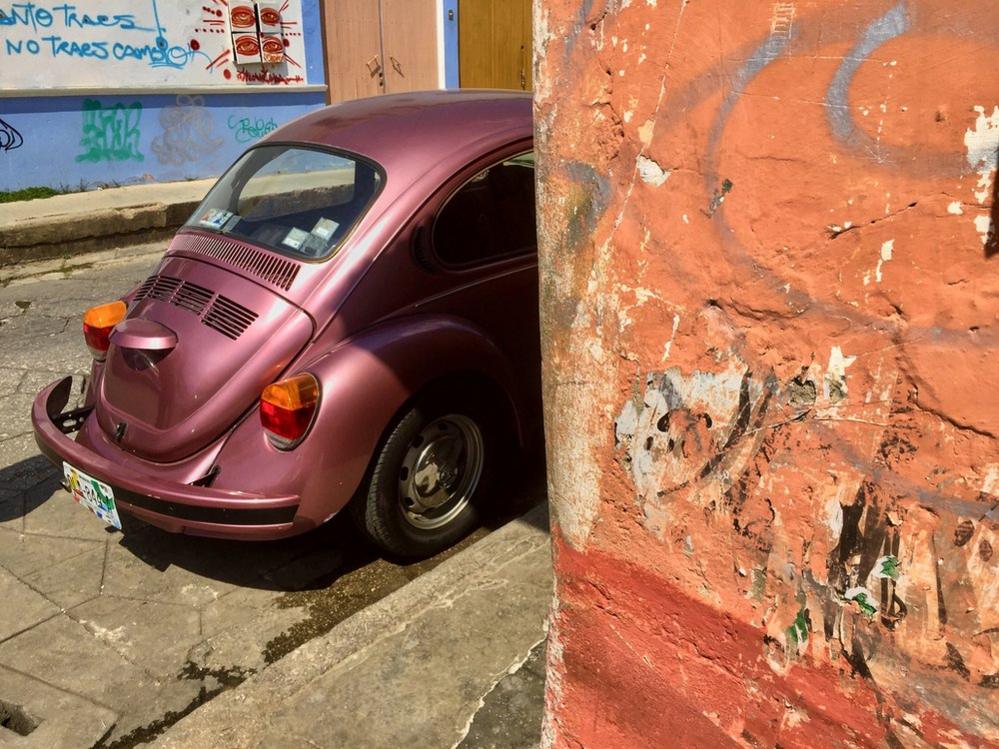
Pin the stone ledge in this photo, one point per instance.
(66, 225)
(445, 639)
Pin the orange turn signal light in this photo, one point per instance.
(98, 322)
(287, 408)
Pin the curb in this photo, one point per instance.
(67, 225)
(42, 269)
(433, 650)
(68, 235)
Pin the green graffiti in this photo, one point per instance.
(797, 633)
(862, 597)
(887, 567)
(245, 130)
(110, 133)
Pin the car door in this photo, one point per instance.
(483, 241)
(470, 252)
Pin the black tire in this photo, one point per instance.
(378, 509)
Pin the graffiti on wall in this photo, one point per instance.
(121, 43)
(110, 133)
(64, 31)
(247, 130)
(9, 137)
(187, 132)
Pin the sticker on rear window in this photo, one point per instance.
(325, 228)
(295, 238)
(215, 218)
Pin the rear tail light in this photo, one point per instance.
(98, 322)
(287, 408)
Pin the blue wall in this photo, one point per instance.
(451, 43)
(137, 138)
(116, 138)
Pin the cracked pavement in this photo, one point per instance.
(107, 639)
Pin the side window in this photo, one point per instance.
(490, 217)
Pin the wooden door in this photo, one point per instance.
(354, 63)
(495, 44)
(409, 39)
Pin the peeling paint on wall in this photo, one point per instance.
(650, 172)
(982, 144)
(772, 446)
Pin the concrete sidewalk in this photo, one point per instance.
(66, 225)
(454, 659)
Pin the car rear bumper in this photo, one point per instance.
(175, 507)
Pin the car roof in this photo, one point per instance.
(417, 131)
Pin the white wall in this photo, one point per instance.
(134, 44)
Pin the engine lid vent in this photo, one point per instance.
(228, 317)
(192, 297)
(158, 287)
(273, 269)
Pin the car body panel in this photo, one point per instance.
(171, 504)
(174, 402)
(394, 361)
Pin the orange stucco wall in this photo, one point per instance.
(770, 288)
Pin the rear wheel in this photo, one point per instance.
(430, 478)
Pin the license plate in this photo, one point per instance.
(92, 494)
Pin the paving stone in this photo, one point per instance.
(51, 511)
(68, 656)
(23, 467)
(24, 554)
(59, 353)
(145, 632)
(34, 381)
(16, 411)
(237, 637)
(231, 564)
(22, 607)
(72, 581)
(304, 571)
(244, 599)
(11, 510)
(28, 327)
(134, 570)
(510, 716)
(9, 379)
(65, 720)
(150, 706)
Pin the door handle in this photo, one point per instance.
(396, 66)
(374, 67)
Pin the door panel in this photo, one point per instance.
(353, 49)
(409, 38)
(495, 44)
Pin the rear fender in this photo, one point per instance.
(364, 383)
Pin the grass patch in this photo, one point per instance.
(28, 193)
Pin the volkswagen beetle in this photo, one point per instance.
(348, 320)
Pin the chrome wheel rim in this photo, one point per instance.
(440, 471)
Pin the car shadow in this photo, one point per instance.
(25, 486)
(312, 561)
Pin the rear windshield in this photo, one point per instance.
(297, 201)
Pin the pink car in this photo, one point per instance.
(349, 319)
